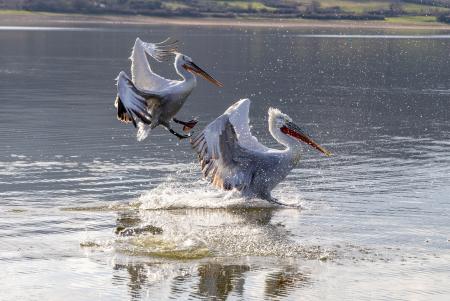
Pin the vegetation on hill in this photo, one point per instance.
(323, 9)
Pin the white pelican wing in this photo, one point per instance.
(142, 74)
(238, 116)
(228, 153)
(131, 105)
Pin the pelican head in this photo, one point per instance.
(287, 132)
(187, 63)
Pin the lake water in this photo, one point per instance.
(89, 213)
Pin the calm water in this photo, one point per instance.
(88, 213)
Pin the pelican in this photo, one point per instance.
(232, 158)
(147, 99)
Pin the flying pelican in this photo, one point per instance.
(232, 158)
(147, 99)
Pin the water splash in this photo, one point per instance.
(197, 233)
(179, 192)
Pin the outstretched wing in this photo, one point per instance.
(142, 74)
(222, 148)
(130, 103)
(238, 116)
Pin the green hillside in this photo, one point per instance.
(418, 10)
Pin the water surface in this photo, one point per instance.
(89, 213)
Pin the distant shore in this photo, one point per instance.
(19, 18)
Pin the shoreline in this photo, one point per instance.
(26, 18)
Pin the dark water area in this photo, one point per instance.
(88, 213)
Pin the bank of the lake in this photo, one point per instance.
(25, 18)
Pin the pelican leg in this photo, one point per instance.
(179, 136)
(276, 202)
(187, 125)
(167, 126)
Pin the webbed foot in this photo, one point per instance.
(178, 135)
(187, 125)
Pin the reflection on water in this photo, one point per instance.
(137, 278)
(215, 274)
(88, 213)
(214, 281)
(281, 283)
(218, 280)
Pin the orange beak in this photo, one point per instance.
(294, 131)
(196, 69)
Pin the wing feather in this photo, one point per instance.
(142, 74)
(130, 103)
(224, 156)
(238, 115)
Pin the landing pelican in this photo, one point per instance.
(232, 158)
(147, 99)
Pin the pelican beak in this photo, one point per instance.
(293, 130)
(196, 69)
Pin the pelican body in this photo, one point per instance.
(147, 99)
(232, 158)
